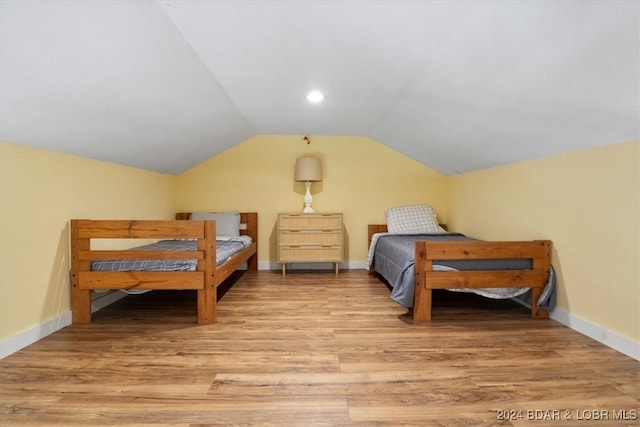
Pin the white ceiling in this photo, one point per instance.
(457, 85)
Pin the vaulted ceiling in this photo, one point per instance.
(456, 85)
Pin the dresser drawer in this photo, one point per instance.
(312, 238)
(310, 221)
(310, 254)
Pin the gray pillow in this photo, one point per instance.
(227, 223)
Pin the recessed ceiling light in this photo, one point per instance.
(315, 96)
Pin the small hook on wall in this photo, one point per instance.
(307, 139)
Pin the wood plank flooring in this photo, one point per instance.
(315, 349)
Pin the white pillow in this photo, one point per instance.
(412, 219)
(227, 223)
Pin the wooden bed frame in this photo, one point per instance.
(205, 279)
(539, 251)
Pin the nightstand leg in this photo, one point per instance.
(284, 269)
(337, 268)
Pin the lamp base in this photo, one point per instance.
(307, 198)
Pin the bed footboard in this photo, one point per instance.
(539, 251)
(83, 280)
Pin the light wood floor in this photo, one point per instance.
(315, 349)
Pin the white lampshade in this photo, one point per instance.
(308, 169)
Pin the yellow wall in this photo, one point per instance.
(39, 192)
(588, 203)
(362, 178)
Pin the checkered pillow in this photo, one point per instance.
(412, 219)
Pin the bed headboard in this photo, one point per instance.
(248, 223)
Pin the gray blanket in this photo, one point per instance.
(392, 256)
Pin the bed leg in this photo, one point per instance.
(80, 306)
(422, 305)
(207, 306)
(422, 296)
(252, 230)
(80, 298)
(253, 262)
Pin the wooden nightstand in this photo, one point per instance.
(316, 237)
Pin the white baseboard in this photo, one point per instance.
(598, 333)
(30, 336)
